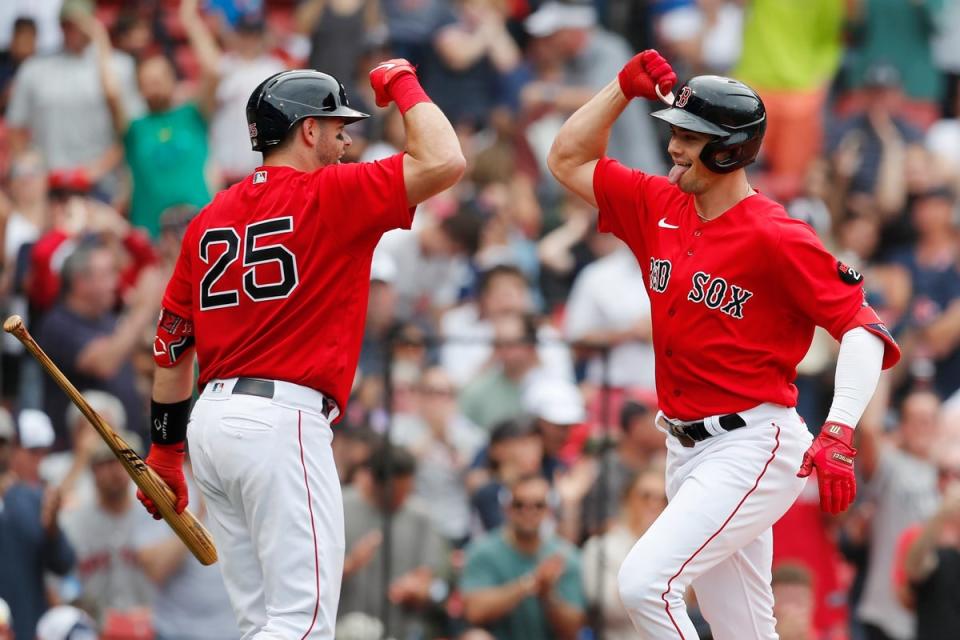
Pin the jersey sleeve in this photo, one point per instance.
(372, 197)
(625, 198)
(826, 291)
(178, 297)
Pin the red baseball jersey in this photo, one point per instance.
(734, 301)
(274, 273)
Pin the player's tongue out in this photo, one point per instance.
(676, 172)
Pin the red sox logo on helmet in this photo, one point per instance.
(252, 128)
(685, 94)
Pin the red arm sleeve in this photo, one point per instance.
(824, 290)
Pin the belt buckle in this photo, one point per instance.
(677, 430)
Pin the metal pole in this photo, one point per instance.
(387, 514)
(603, 489)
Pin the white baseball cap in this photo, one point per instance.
(556, 401)
(5, 618)
(36, 430)
(383, 268)
(66, 623)
(553, 16)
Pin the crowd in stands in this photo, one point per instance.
(498, 455)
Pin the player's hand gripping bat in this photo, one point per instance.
(193, 534)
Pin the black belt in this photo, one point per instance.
(690, 433)
(265, 388)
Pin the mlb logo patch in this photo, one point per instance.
(217, 387)
(259, 177)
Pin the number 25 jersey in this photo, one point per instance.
(274, 274)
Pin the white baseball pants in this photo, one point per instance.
(266, 469)
(724, 495)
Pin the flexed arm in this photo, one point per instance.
(582, 139)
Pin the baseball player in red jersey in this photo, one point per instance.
(736, 288)
(270, 291)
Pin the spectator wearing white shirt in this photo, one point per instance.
(50, 91)
(431, 262)
(244, 65)
(609, 307)
(468, 330)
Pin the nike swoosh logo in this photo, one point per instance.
(385, 65)
(666, 225)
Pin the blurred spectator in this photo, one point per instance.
(25, 220)
(641, 498)
(77, 217)
(608, 309)
(702, 37)
(69, 471)
(520, 583)
(381, 314)
(411, 25)
(90, 344)
(6, 628)
(472, 53)
(35, 437)
(431, 262)
(468, 330)
(191, 601)
(515, 451)
(339, 31)
(872, 150)
(900, 34)
(943, 141)
(229, 77)
(497, 392)
(30, 540)
(65, 622)
(588, 55)
(947, 55)
(901, 485)
(23, 44)
(805, 537)
(640, 446)
(932, 560)
(165, 149)
(133, 32)
(790, 54)
(50, 91)
(565, 251)
(793, 602)
(104, 532)
(933, 319)
(558, 409)
(444, 444)
(417, 554)
(45, 13)
(352, 447)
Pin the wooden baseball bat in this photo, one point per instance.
(185, 525)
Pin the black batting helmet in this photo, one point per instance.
(724, 108)
(287, 97)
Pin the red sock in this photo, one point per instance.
(407, 92)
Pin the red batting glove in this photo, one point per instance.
(167, 461)
(386, 72)
(646, 70)
(832, 454)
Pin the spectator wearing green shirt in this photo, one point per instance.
(166, 149)
(520, 584)
(791, 51)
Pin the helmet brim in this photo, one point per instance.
(686, 120)
(349, 115)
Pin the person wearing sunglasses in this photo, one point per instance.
(520, 582)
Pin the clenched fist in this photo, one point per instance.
(167, 461)
(832, 453)
(646, 71)
(386, 72)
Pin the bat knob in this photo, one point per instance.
(666, 99)
(13, 324)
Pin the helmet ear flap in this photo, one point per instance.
(724, 155)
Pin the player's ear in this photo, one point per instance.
(309, 131)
